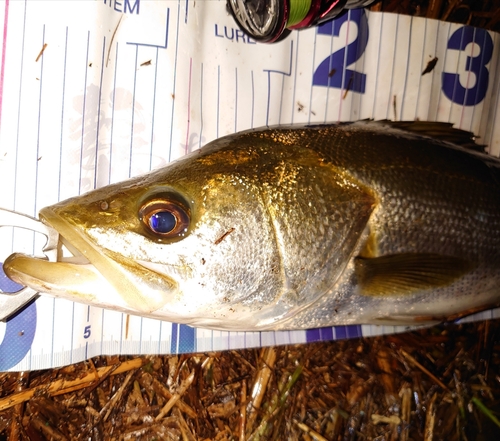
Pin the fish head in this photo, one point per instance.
(188, 241)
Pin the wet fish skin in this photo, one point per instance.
(294, 227)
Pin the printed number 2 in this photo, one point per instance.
(332, 71)
(476, 65)
(86, 332)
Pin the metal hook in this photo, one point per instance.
(11, 303)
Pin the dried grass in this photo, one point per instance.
(436, 384)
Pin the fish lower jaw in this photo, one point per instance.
(79, 282)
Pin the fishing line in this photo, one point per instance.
(298, 11)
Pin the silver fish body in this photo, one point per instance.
(289, 228)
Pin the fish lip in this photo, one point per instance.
(43, 275)
(118, 271)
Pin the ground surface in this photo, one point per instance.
(437, 384)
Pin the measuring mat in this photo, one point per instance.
(93, 93)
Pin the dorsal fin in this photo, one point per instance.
(439, 130)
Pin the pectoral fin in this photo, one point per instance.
(407, 273)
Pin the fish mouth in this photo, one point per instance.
(90, 274)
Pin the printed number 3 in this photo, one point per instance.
(332, 71)
(476, 65)
(86, 332)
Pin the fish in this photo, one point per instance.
(293, 227)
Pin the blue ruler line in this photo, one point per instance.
(183, 339)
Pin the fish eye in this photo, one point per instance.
(164, 217)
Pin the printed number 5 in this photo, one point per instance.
(476, 65)
(86, 332)
(332, 71)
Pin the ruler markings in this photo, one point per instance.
(268, 96)
(140, 334)
(456, 80)
(38, 136)
(61, 140)
(422, 62)
(174, 84)
(122, 318)
(235, 99)
(330, 67)
(434, 73)
(157, 46)
(98, 123)
(347, 25)
(84, 108)
(390, 99)
(356, 112)
(283, 73)
(218, 101)
(468, 76)
(407, 71)
(478, 77)
(37, 157)
(377, 69)
(253, 99)
(53, 350)
(174, 342)
(495, 107)
(102, 332)
(159, 339)
(311, 88)
(188, 119)
(294, 88)
(153, 112)
(4, 51)
(281, 100)
(132, 114)
(486, 124)
(112, 125)
(19, 100)
(201, 106)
